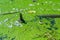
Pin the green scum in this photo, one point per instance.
(23, 20)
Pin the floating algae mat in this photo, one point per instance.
(29, 19)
